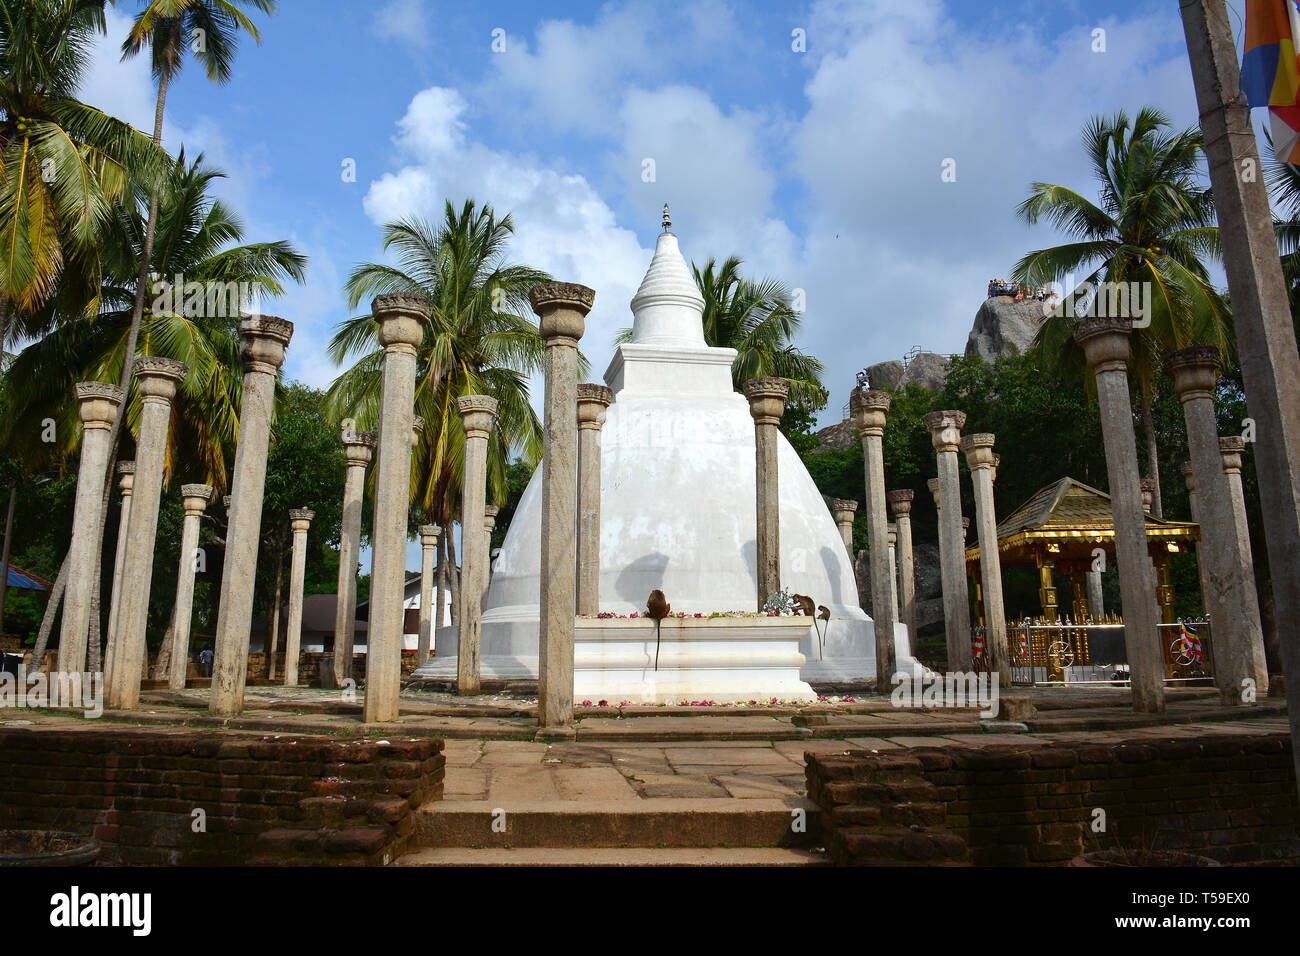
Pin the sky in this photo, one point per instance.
(810, 139)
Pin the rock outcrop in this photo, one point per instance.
(1004, 326)
(885, 374)
(927, 369)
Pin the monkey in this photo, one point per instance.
(657, 607)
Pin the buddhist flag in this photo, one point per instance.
(1270, 73)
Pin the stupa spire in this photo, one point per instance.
(668, 308)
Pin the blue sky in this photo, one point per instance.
(821, 167)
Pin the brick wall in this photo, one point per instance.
(1232, 799)
(282, 800)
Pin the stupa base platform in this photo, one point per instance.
(842, 661)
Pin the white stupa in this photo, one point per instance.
(677, 503)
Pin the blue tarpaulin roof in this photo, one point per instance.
(22, 579)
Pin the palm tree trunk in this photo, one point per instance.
(124, 382)
(273, 642)
(1153, 450)
(162, 665)
(51, 609)
(9, 539)
(452, 581)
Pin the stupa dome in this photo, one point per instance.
(678, 503)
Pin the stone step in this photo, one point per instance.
(616, 856)
(650, 823)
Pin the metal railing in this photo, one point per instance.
(1062, 652)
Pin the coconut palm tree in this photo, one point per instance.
(62, 163)
(758, 320)
(200, 240)
(480, 341)
(1284, 189)
(1153, 223)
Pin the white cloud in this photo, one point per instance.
(562, 225)
(406, 21)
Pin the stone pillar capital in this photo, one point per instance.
(869, 408)
(429, 535)
(417, 429)
(358, 447)
(490, 513)
(478, 413)
(843, 509)
(226, 501)
(1195, 371)
(300, 518)
(402, 317)
(979, 450)
(1189, 476)
(891, 532)
(593, 400)
(196, 498)
(900, 502)
(262, 342)
(945, 429)
(933, 485)
(997, 460)
(1232, 447)
(562, 309)
(766, 398)
(126, 477)
(1105, 342)
(97, 404)
(965, 527)
(1148, 493)
(157, 378)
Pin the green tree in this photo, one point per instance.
(1154, 224)
(479, 341)
(62, 162)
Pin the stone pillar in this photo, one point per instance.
(299, 522)
(843, 511)
(477, 414)
(97, 406)
(1235, 625)
(945, 434)
(593, 400)
(901, 504)
(1148, 494)
(195, 499)
(870, 408)
(1262, 318)
(428, 553)
(1096, 600)
(225, 501)
(126, 482)
(767, 405)
(1105, 343)
(358, 449)
(156, 380)
(402, 319)
(562, 309)
(1231, 449)
(263, 340)
(892, 531)
(979, 457)
(489, 525)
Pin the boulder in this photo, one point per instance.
(885, 374)
(843, 435)
(927, 369)
(1004, 326)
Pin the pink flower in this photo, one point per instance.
(586, 703)
(603, 703)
